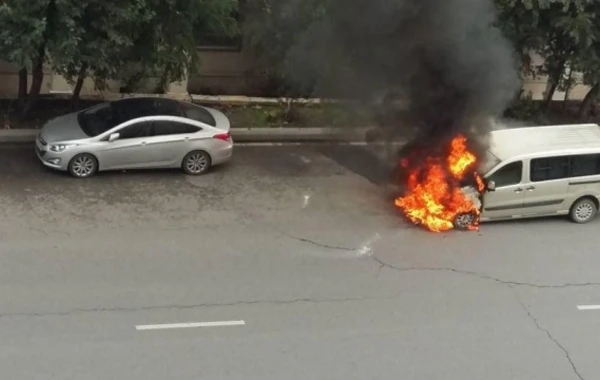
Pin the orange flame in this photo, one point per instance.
(433, 197)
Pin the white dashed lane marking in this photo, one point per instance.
(188, 325)
(588, 307)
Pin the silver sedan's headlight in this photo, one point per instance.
(61, 147)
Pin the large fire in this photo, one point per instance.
(433, 197)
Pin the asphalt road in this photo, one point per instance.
(300, 244)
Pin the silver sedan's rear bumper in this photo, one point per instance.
(222, 155)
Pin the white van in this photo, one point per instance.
(540, 171)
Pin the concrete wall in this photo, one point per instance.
(53, 83)
(223, 72)
(9, 80)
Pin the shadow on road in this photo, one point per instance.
(360, 160)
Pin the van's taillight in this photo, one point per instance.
(223, 136)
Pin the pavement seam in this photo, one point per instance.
(194, 306)
(483, 277)
(550, 336)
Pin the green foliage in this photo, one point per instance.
(278, 116)
(270, 29)
(22, 32)
(524, 108)
(97, 36)
(561, 31)
(588, 62)
(166, 42)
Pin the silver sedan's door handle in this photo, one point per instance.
(530, 188)
(518, 190)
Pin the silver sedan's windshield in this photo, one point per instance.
(96, 120)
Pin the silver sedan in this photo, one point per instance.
(136, 133)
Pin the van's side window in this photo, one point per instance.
(549, 168)
(510, 174)
(585, 164)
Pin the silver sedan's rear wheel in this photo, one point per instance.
(464, 221)
(583, 210)
(83, 165)
(196, 163)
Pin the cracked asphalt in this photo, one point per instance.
(302, 244)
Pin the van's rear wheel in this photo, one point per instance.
(464, 221)
(583, 211)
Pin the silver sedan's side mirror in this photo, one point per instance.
(491, 185)
(113, 137)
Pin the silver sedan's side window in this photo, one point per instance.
(136, 130)
(162, 128)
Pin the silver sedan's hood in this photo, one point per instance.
(63, 128)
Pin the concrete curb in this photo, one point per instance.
(8, 136)
(15, 136)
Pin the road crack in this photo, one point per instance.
(316, 243)
(550, 336)
(512, 284)
(195, 306)
(482, 276)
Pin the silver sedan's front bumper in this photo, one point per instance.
(48, 158)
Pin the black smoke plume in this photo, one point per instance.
(442, 67)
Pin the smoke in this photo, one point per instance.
(441, 66)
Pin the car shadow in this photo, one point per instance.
(359, 160)
(530, 221)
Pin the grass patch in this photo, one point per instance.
(299, 116)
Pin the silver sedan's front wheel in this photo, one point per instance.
(583, 210)
(196, 163)
(83, 166)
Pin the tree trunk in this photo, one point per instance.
(37, 79)
(22, 88)
(37, 72)
(550, 95)
(568, 89)
(555, 81)
(78, 86)
(163, 85)
(589, 99)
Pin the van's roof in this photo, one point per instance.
(556, 139)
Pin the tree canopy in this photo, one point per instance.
(125, 40)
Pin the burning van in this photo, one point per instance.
(439, 188)
(525, 173)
